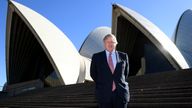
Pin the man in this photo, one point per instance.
(109, 70)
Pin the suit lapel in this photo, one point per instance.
(118, 61)
(117, 57)
(105, 61)
(104, 58)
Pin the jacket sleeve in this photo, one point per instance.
(127, 66)
(93, 68)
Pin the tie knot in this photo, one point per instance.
(110, 53)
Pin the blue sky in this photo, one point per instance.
(77, 18)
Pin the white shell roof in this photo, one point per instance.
(61, 52)
(153, 33)
(94, 41)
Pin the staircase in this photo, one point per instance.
(165, 89)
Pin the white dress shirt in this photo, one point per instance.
(113, 55)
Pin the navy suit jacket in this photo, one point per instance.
(103, 77)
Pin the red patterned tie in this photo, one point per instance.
(110, 63)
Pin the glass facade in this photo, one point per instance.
(52, 80)
(28, 60)
(143, 54)
(155, 61)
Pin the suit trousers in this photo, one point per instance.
(115, 102)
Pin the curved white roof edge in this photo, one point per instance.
(64, 57)
(186, 12)
(94, 41)
(173, 38)
(162, 42)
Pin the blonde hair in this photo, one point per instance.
(110, 35)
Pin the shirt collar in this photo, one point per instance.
(107, 52)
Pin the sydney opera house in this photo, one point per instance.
(38, 52)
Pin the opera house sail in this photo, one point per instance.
(183, 35)
(149, 49)
(37, 49)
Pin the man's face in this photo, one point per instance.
(110, 44)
